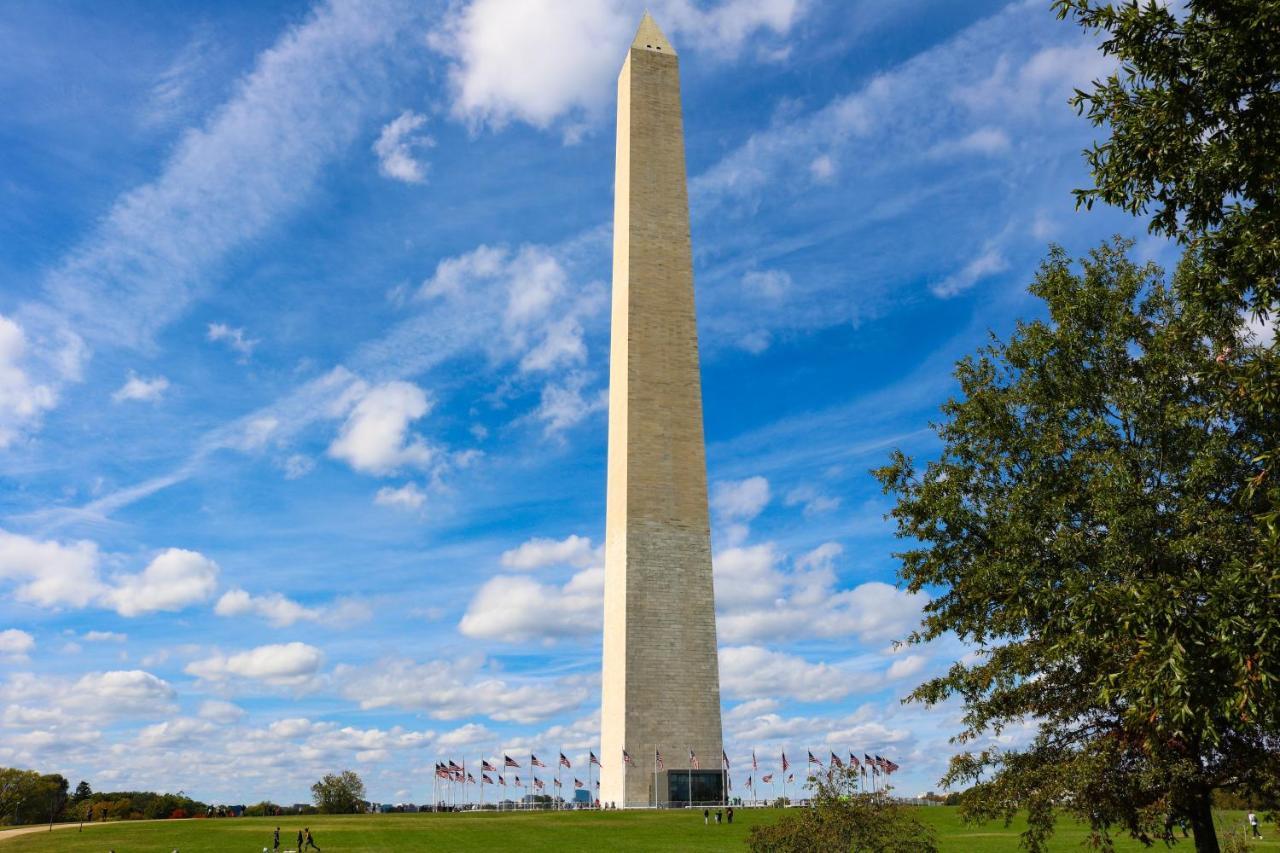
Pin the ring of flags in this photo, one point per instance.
(452, 771)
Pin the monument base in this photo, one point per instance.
(683, 788)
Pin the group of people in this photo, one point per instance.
(305, 840)
(720, 815)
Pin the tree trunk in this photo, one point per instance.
(1202, 824)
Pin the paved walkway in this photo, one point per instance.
(6, 834)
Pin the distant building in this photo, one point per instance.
(582, 797)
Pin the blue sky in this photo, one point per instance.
(304, 347)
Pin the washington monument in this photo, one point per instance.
(661, 679)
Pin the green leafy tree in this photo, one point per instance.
(340, 793)
(1192, 116)
(1086, 530)
(83, 792)
(841, 818)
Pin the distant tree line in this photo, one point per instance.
(28, 797)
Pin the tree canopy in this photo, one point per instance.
(339, 793)
(1088, 530)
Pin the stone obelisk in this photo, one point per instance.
(661, 680)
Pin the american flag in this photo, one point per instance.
(534, 762)
(725, 759)
(791, 777)
(557, 783)
(516, 782)
(471, 780)
(593, 759)
(879, 762)
(442, 771)
(577, 783)
(767, 778)
(485, 780)
(502, 782)
(813, 760)
(486, 767)
(564, 762)
(835, 761)
(748, 781)
(453, 766)
(785, 764)
(508, 761)
(754, 766)
(537, 783)
(693, 761)
(889, 766)
(853, 760)
(626, 757)
(657, 757)
(867, 759)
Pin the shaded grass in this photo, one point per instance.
(519, 831)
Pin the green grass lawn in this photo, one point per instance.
(522, 832)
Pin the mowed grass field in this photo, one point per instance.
(523, 832)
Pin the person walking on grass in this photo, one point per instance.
(275, 839)
(309, 841)
(1253, 825)
(299, 840)
(706, 817)
(729, 814)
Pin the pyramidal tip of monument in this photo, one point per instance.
(649, 37)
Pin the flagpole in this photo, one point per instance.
(559, 764)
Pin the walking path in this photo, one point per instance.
(6, 834)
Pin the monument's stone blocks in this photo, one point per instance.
(661, 683)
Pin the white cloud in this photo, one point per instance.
(221, 711)
(375, 438)
(986, 264)
(15, 643)
(55, 574)
(905, 667)
(235, 338)
(984, 140)
(451, 689)
(538, 61)
(173, 580)
(137, 388)
(283, 664)
(395, 147)
(753, 672)
(740, 500)
(514, 608)
(174, 732)
(275, 608)
(408, 496)
(564, 404)
(50, 573)
(823, 168)
(121, 692)
(104, 637)
(537, 553)
(22, 400)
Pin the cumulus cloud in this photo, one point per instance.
(234, 338)
(565, 405)
(274, 607)
(375, 439)
(282, 664)
(22, 400)
(137, 388)
(538, 61)
(753, 672)
(395, 148)
(460, 687)
(514, 608)
(813, 501)
(15, 643)
(173, 580)
(49, 573)
(537, 553)
(220, 711)
(757, 599)
(408, 496)
(740, 500)
(57, 574)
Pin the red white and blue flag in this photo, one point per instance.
(594, 760)
(767, 778)
(564, 762)
(486, 767)
(534, 762)
(693, 761)
(725, 758)
(577, 783)
(785, 764)
(813, 760)
(508, 761)
(853, 760)
(657, 757)
(626, 757)
(835, 761)
(754, 766)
